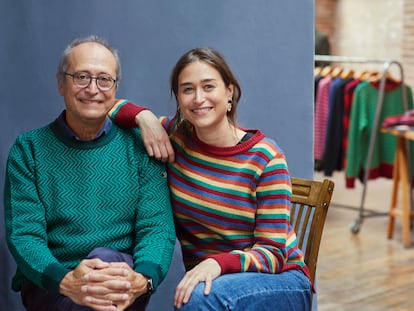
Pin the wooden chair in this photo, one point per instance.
(310, 203)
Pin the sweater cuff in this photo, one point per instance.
(150, 270)
(350, 182)
(52, 277)
(229, 263)
(123, 113)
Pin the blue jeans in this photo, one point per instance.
(38, 299)
(287, 291)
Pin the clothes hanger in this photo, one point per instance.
(347, 73)
(326, 71)
(336, 72)
(361, 75)
(376, 77)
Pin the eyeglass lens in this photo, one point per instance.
(83, 79)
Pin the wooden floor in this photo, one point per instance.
(363, 271)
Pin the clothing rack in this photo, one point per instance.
(364, 213)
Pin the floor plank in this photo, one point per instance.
(363, 271)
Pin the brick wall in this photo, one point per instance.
(408, 42)
(374, 29)
(324, 16)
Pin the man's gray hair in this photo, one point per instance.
(64, 59)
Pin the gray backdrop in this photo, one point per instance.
(268, 43)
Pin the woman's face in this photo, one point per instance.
(203, 97)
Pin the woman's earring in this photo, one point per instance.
(230, 102)
(180, 116)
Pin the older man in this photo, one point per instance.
(88, 214)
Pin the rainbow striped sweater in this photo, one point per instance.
(230, 203)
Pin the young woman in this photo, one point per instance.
(231, 194)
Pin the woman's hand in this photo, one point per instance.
(156, 140)
(206, 271)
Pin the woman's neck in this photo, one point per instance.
(227, 136)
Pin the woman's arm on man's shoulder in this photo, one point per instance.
(156, 140)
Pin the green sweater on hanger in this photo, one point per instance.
(362, 119)
(64, 197)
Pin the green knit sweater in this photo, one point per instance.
(64, 197)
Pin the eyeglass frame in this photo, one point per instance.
(115, 81)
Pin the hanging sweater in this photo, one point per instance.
(230, 203)
(361, 125)
(65, 197)
(321, 120)
(332, 156)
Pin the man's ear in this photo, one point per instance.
(60, 85)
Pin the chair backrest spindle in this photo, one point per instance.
(310, 203)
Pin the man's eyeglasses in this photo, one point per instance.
(82, 80)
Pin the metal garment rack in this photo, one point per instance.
(364, 213)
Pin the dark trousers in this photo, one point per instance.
(38, 299)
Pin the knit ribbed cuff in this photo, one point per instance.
(229, 263)
(52, 276)
(124, 113)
